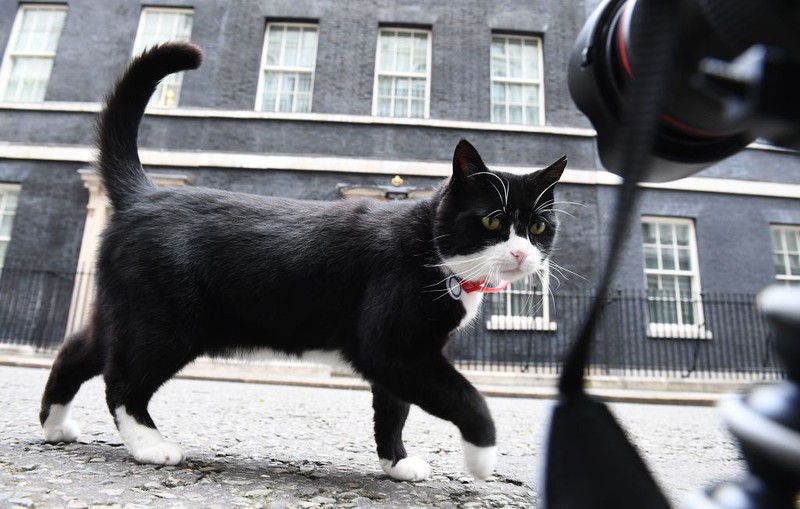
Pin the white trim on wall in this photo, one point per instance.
(336, 118)
(185, 159)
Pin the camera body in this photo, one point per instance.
(735, 74)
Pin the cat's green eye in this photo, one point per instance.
(538, 227)
(491, 223)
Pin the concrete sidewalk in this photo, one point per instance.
(490, 383)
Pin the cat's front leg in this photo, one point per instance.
(434, 385)
(390, 417)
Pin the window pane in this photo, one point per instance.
(417, 109)
(384, 107)
(499, 113)
(531, 115)
(530, 58)
(780, 267)
(285, 102)
(271, 82)
(665, 233)
(650, 258)
(291, 46)
(685, 286)
(418, 88)
(794, 265)
(498, 58)
(420, 53)
(309, 48)
(791, 241)
(403, 63)
(668, 259)
(10, 202)
(400, 108)
(684, 259)
(274, 47)
(302, 103)
(498, 93)
(688, 313)
(303, 82)
(385, 86)
(387, 53)
(682, 234)
(6, 222)
(401, 88)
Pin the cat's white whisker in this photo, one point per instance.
(570, 203)
(558, 210)
(457, 262)
(561, 269)
(504, 194)
(536, 201)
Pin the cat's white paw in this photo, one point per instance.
(58, 427)
(479, 461)
(165, 453)
(67, 431)
(146, 444)
(407, 469)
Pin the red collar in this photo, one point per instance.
(481, 286)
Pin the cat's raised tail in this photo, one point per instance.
(118, 127)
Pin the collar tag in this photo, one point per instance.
(454, 287)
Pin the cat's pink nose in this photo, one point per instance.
(519, 256)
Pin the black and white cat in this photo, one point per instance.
(189, 272)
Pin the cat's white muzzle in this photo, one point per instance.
(514, 259)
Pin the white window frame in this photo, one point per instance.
(677, 330)
(12, 53)
(160, 97)
(784, 252)
(507, 80)
(397, 74)
(280, 69)
(5, 191)
(539, 303)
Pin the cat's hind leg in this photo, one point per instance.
(390, 417)
(79, 359)
(135, 372)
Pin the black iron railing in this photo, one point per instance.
(724, 337)
(731, 341)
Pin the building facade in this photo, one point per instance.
(322, 100)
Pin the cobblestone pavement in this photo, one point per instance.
(267, 446)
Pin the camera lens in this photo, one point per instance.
(695, 126)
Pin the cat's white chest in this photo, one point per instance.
(472, 304)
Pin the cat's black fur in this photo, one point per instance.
(189, 272)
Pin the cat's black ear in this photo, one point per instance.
(466, 161)
(550, 175)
